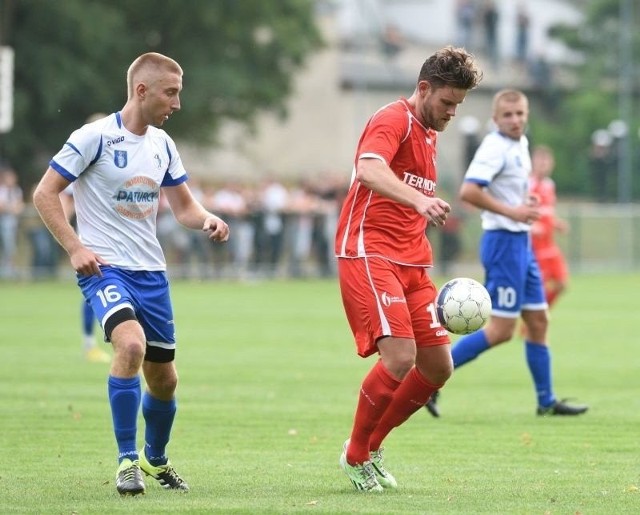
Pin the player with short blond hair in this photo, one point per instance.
(118, 165)
(497, 182)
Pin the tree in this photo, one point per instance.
(239, 57)
(593, 102)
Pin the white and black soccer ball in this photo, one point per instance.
(463, 305)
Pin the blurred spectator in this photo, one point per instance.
(273, 200)
(490, 18)
(302, 205)
(450, 240)
(540, 72)
(331, 190)
(11, 206)
(173, 237)
(201, 248)
(465, 20)
(392, 40)
(523, 23)
(542, 82)
(233, 204)
(45, 251)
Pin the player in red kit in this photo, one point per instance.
(542, 188)
(383, 255)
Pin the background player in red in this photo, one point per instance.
(383, 255)
(550, 259)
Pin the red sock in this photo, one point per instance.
(411, 395)
(376, 393)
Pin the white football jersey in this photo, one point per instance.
(502, 165)
(116, 178)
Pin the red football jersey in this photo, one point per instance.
(542, 231)
(373, 225)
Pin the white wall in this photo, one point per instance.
(325, 121)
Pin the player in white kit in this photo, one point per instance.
(118, 165)
(497, 183)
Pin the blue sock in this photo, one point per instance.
(539, 361)
(158, 416)
(469, 348)
(124, 397)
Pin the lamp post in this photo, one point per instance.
(625, 101)
(619, 130)
(600, 163)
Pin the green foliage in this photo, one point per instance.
(239, 58)
(593, 103)
(268, 385)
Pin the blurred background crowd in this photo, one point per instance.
(276, 94)
(279, 230)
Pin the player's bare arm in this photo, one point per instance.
(46, 199)
(476, 195)
(68, 206)
(378, 177)
(190, 213)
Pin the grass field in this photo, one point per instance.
(269, 380)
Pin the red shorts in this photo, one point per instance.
(382, 298)
(554, 268)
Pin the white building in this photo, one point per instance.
(346, 82)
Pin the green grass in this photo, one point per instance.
(269, 379)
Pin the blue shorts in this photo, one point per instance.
(512, 276)
(146, 293)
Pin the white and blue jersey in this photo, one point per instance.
(117, 177)
(502, 166)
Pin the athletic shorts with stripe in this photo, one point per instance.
(512, 275)
(146, 293)
(382, 298)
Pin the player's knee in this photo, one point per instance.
(499, 333)
(438, 373)
(537, 326)
(162, 386)
(399, 365)
(127, 337)
(398, 355)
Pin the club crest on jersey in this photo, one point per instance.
(120, 158)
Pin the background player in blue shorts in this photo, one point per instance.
(117, 165)
(92, 351)
(497, 183)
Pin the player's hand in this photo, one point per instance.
(532, 200)
(86, 262)
(435, 210)
(526, 214)
(216, 228)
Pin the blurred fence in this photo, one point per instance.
(603, 237)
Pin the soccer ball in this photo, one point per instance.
(463, 305)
